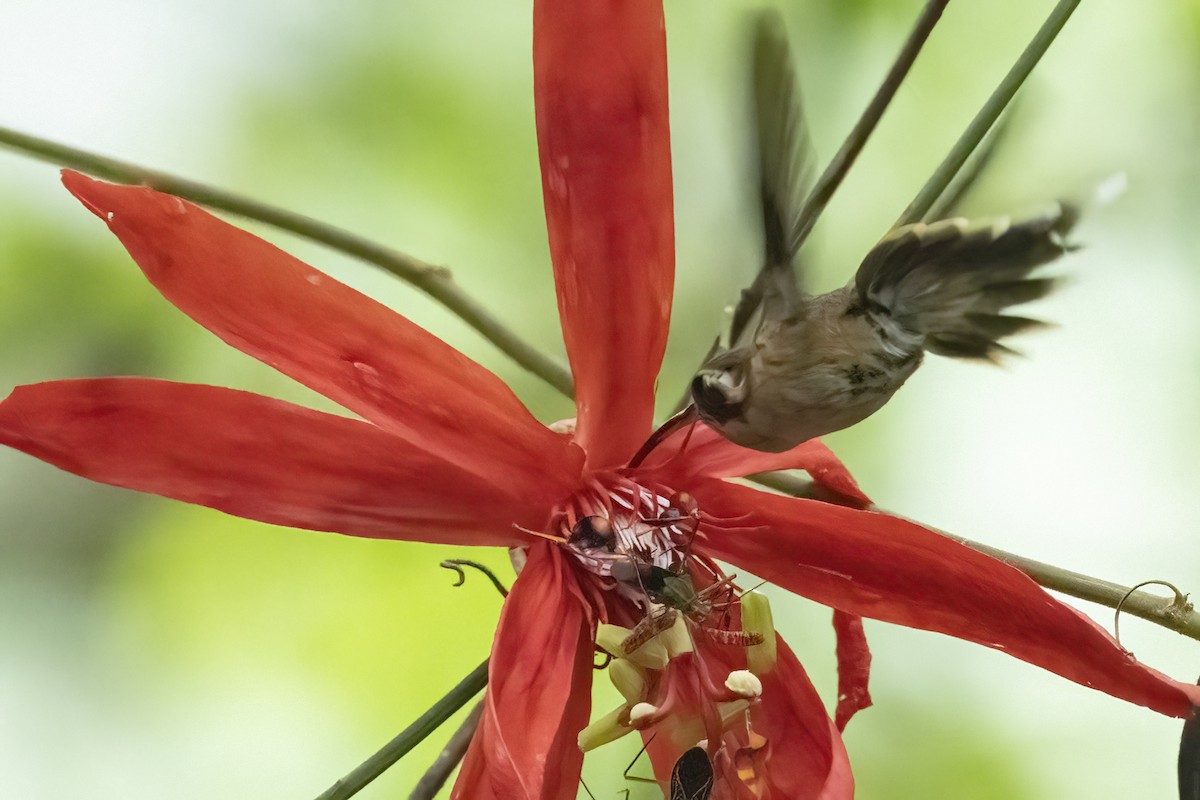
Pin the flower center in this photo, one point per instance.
(688, 667)
(617, 528)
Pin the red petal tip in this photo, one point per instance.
(88, 191)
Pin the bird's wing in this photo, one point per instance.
(785, 165)
(948, 282)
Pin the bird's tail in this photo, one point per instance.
(945, 285)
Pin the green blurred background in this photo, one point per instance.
(150, 649)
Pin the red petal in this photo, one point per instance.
(854, 667)
(600, 91)
(539, 691)
(263, 459)
(707, 453)
(890, 569)
(327, 336)
(808, 759)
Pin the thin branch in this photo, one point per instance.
(410, 737)
(435, 281)
(964, 183)
(1152, 608)
(987, 115)
(1167, 612)
(834, 173)
(439, 771)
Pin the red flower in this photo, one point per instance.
(444, 452)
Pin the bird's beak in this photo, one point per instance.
(689, 416)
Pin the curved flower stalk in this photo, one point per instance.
(440, 450)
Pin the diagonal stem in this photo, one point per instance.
(832, 177)
(410, 737)
(439, 771)
(988, 115)
(1167, 612)
(435, 281)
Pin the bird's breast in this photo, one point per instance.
(822, 374)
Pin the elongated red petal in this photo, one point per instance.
(600, 92)
(890, 569)
(808, 759)
(854, 667)
(539, 691)
(263, 459)
(701, 451)
(327, 336)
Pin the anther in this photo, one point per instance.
(640, 712)
(628, 680)
(607, 729)
(757, 619)
(744, 683)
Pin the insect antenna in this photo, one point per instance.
(640, 753)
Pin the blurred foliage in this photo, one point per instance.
(278, 659)
(937, 755)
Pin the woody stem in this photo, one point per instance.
(1170, 613)
(410, 737)
(841, 162)
(439, 771)
(435, 281)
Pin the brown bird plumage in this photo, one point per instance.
(800, 366)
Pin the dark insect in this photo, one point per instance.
(692, 777)
(650, 626)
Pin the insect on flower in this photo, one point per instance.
(692, 777)
(650, 557)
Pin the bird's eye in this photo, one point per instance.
(711, 394)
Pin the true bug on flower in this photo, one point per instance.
(673, 589)
(643, 542)
(692, 776)
(675, 593)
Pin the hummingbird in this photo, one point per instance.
(799, 365)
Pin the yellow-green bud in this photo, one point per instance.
(677, 639)
(651, 655)
(604, 730)
(628, 679)
(756, 618)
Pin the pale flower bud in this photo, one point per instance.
(756, 618)
(744, 683)
(640, 712)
